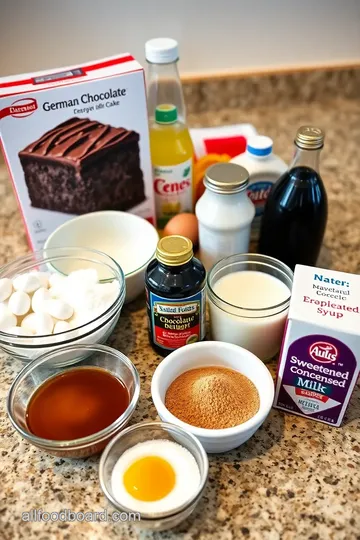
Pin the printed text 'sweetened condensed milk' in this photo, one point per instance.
(318, 365)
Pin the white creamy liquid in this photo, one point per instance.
(259, 332)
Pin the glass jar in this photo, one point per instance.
(250, 309)
(225, 213)
(175, 295)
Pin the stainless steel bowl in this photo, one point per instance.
(50, 364)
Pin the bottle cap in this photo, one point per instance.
(174, 250)
(165, 114)
(309, 138)
(161, 51)
(259, 145)
(226, 178)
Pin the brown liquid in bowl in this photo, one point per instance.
(76, 403)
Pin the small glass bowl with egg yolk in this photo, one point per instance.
(155, 472)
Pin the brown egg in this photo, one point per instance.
(185, 225)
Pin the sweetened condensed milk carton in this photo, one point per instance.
(320, 357)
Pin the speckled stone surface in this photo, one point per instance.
(295, 479)
(271, 89)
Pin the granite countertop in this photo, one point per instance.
(295, 478)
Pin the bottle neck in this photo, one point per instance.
(164, 88)
(259, 158)
(306, 158)
(175, 269)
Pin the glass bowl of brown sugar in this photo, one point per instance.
(218, 391)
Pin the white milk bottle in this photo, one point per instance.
(225, 213)
(264, 169)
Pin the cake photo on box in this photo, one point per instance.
(83, 166)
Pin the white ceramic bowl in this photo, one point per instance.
(130, 240)
(214, 353)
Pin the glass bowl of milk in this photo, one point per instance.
(249, 296)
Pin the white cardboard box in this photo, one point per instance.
(87, 164)
(320, 356)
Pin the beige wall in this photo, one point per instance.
(214, 35)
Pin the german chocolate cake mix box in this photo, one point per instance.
(76, 140)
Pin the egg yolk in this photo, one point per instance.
(149, 479)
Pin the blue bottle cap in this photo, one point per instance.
(259, 145)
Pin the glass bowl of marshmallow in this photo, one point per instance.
(57, 297)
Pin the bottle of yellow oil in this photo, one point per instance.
(172, 151)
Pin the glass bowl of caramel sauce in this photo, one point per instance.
(72, 402)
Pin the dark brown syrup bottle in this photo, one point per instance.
(295, 214)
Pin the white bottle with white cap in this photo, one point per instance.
(264, 169)
(224, 213)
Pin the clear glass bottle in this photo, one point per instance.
(295, 214)
(163, 79)
(172, 152)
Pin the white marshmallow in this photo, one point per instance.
(61, 326)
(43, 277)
(59, 309)
(6, 288)
(18, 331)
(57, 284)
(39, 300)
(55, 292)
(40, 324)
(3, 307)
(29, 322)
(80, 318)
(27, 282)
(7, 319)
(55, 279)
(19, 303)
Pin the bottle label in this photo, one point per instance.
(318, 377)
(258, 192)
(173, 190)
(174, 323)
(215, 245)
